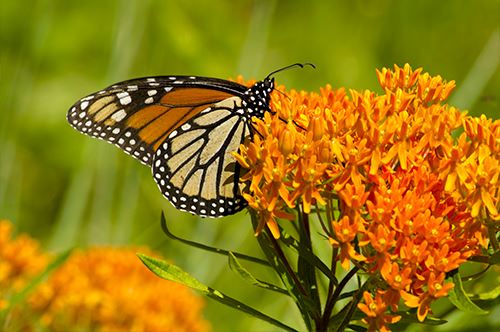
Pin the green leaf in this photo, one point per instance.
(349, 312)
(458, 297)
(491, 295)
(278, 261)
(495, 258)
(305, 269)
(336, 320)
(202, 246)
(174, 273)
(410, 318)
(484, 259)
(236, 266)
(37, 280)
(357, 328)
(346, 295)
(307, 255)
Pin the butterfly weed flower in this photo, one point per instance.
(109, 289)
(105, 289)
(21, 259)
(408, 184)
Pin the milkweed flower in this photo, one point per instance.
(111, 290)
(407, 182)
(20, 260)
(101, 289)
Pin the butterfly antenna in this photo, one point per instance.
(284, 94)
(298, 64)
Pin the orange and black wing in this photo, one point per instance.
(138, 115)
(185, 128)
(194, 167)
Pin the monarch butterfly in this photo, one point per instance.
(184, 128)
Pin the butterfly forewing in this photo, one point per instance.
(137, 115)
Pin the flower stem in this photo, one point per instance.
(331, 301)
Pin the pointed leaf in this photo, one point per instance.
(289, 241)
(202, 246)
(357, 328)
(266, 245)
(410, 318)
(236, 266)
(495, 258)
(173, 273)
(491, 295)
(458, 297)
(349, 312)
(176, 274)
(305, 268)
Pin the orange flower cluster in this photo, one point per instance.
(20, 260)
(112, 289)
(411, 200)
(101, 289)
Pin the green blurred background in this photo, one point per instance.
(68, 190)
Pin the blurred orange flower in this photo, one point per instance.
(111, 289)
(102, 289)
(20, 260)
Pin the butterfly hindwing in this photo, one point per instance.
(194, 167)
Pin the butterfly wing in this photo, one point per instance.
(138, 115)
(194, 168)
(184, 127)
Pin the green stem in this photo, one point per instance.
(332, 300)
(353, 305)
(284, 261)
(306, 271)
(321, 222)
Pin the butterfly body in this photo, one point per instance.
(185, 128)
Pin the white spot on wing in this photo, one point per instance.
(118, 116)
(125, 100)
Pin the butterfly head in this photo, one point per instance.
(259, 96)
